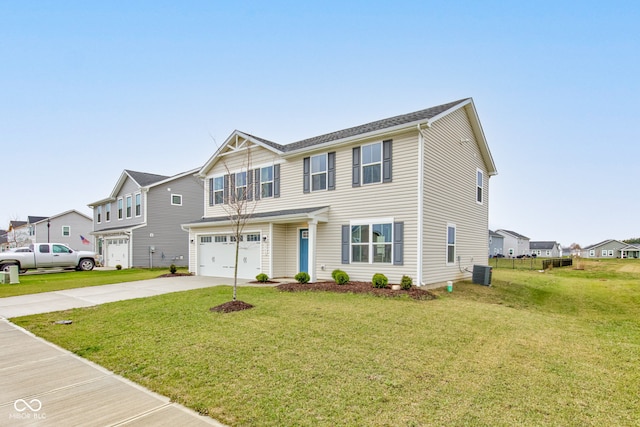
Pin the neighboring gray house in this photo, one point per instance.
(545, 249)
(611, 249)
(72, 228)
(514, 243)
(138, 225)
(496, 244)
(406, 195)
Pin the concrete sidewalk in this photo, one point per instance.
(44, 385)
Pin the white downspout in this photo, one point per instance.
(420, 195)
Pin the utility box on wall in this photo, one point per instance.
(481, 275)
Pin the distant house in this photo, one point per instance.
(4, 243)
(496, 244)
(547, 249)
(69, 227)
(514, 243)
(138, 225)
(23, 233)
(611, 249)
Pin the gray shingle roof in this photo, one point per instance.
(34, 219)
(373, 126)
(267, 142)
(513, 233)
(270, 214)
(143, 179)
(542, 245)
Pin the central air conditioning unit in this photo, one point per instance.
(481, 275)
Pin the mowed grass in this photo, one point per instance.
(555, 348)
(56, 281)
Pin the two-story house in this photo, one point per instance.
(496, 244)
(545, 249)
(407, 195)
(23, 233)
(138, 225)
(515, 244)
(71, 227)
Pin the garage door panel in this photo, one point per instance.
(217, 256)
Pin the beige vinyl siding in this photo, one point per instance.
(277, 240)
(450, 198)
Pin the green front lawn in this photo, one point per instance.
(31, 283)
(555, 348)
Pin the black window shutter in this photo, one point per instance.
(386, 160)
(306, 174)
(331, 170)
(276, 180)
(210, 191)
(345, 244)
(249, 190)
(398, 243)
(355, 180)
(225, 190)
(257, 184)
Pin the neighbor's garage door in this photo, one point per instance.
(117, 253)
(216, 256)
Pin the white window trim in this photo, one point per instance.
(107, 208)
(362, 164)
(325, 172)
(135, 204)
(480, 187)
(128, 214)
(214, 191)
(592, 252)
(262, 196)
(66, 226)
(176, 195)
(119, 209)
(371, 222)
(455, 244)
(245, 186)
(99, 214)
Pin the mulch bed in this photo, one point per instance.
(175, 274)
(357, 288)
(231, 306)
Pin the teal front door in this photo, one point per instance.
(304, 250)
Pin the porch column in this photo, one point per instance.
(313, 228)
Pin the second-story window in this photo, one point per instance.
(319, 172)
(138, 204)
(218, 190)
(479, 185)
(107, 212)
(176, 199)
(120, 208)
(372, 163)
(99, 214)
(66, 230)
(266, 182)
(129, 206)
(241, 186)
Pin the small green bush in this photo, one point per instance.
(118, 267)
(341, 278)
(262, 278)
(379, 280)
(173, 268)
(302, 277)
(334, 272)
(405, 283)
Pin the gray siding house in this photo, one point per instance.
(514, 243)
(611, 249)
(407, 195)
(496, 244)
(546, 249)
(138, 225)
(72, 228)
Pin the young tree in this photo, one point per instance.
(240, 205)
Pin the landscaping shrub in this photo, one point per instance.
(262, 278)
(173, 268)
(118, 267)
(341, 277)
(405, 283)
(302, 277)
(379, 280)
(334, 272)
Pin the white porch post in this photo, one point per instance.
(313, 228)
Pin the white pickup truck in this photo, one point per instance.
(47, 255)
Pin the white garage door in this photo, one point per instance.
(117, 253)
(216, 255)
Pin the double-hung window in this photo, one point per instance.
(241, 186)
(479, 186)
(99, 214)
(107, 212)
(218, 190)
(319, 172)
(66, 230)
(372, 243)
(129, 206)
(451, 244)
(604, 252)
(138, 204)
(120, 209)
(372, 163)
(266, 182)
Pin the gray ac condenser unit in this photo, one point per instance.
(481, 275)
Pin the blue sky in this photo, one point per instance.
(89, 89)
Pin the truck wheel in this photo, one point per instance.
(5, 267)
(86, 265)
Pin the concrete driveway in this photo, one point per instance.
(42, 384)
